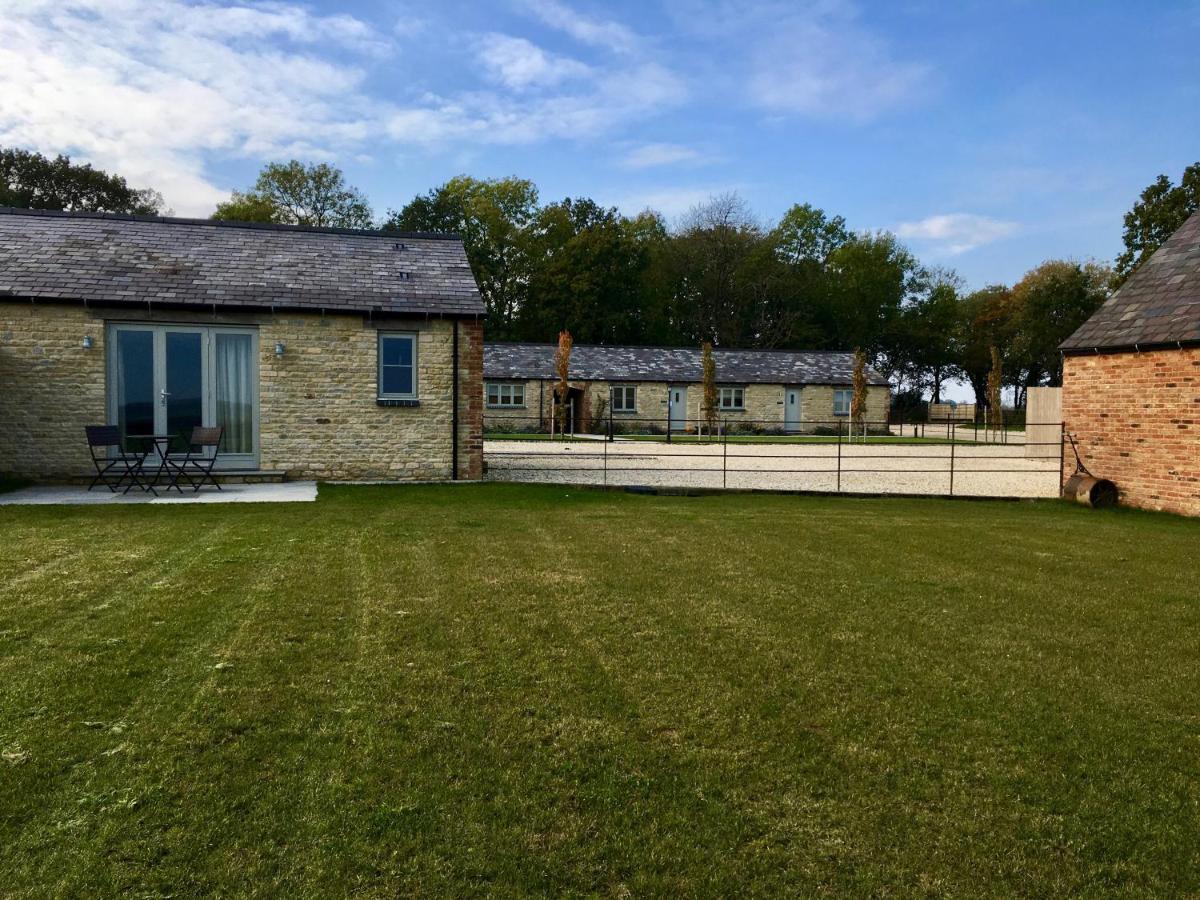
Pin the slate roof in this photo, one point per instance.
(682, 364)
(1158, 306)
(105, 258)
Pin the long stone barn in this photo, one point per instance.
(323, 353)
(655, 388)
(1131, 382)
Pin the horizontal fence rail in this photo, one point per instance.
(838, 455)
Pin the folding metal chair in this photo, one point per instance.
(113, 470)
(195, 462)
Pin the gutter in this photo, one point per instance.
(454, 414)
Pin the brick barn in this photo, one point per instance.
(1131, 382)
(322, 353)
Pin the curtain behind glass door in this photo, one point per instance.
(234, 391)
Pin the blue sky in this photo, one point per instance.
(989, 135)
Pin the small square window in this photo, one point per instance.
(397, 365)
(731, 398)
(624, 398)
(505, 395)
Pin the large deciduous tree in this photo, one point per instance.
(493, 218)
(586, 268)
(1159, 212)
(30, 180)
(1049, 303)
(293, 193)
(986, 321)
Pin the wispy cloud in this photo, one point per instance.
(606, 33)
(158, 89)
(816, 59)
(956, 233)
(520, 64)
(646, 156)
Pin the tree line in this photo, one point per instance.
(720, 274)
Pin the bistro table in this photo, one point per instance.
(162, 446)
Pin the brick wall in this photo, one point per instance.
(318, 416)
(1136, 419)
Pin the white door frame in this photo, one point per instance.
(208, 337)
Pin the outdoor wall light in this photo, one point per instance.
(87, 342)
(279, 348)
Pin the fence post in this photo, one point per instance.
(606, 463)
(610, 422)
(1062, 451)
(725, 455)
(953, 435)
(839, 456)
(668, 414)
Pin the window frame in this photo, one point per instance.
(380, 393)
(511, 386)
(848, 393)
(731, 391)
(629, 391)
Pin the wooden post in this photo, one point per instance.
(839, 455)
(952, 436)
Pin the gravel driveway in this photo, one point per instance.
(979, 470)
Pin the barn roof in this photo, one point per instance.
(616, 363)
(107, 258)
(1158, 306)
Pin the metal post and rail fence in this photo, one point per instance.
(834, 456)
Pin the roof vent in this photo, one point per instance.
(405, 276)
(399, 246)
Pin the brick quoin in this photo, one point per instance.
(1135, 419)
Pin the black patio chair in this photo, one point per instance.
(193, 462)
(114, 469)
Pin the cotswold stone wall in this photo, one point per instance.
(764, 406)
(1136, 420)
(318, 410)
(50, 388)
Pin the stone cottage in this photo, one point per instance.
(656, 388)
(323, 353)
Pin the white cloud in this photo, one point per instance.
(648, 156)
(148, 89)
(955, 233)
(520, 64)
(812, 58)
(605, 33)
(157, 89)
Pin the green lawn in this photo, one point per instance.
(507, 689)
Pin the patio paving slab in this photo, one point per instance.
(279, 492)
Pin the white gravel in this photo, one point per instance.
(918, 468)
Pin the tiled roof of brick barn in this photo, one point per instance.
(1158, 306)
(104, 258)
(595, 362)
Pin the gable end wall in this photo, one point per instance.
(1136, 420)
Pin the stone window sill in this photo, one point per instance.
(396, 401)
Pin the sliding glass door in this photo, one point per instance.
(167, 379)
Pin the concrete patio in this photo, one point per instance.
(43, 495)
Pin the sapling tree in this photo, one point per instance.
(994, 383)
(858, 401)
(562, 368)
(709, 375)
